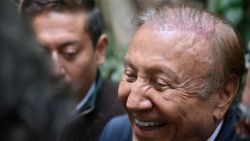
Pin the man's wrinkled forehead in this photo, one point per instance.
(183, 19)
(206, 31)
(148, 41)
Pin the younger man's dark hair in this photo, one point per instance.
(94, 23)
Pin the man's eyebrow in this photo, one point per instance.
(68, 43)
(128, 63)
(156, 69)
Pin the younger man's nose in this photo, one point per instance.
(58, 68)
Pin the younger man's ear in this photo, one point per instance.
(101, 47)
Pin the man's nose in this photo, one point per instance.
(137, 99)
(58, 68)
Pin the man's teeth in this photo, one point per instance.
(147, 123)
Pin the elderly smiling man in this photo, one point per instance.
(182, 71)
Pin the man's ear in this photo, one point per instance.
(101, 47)
(226, 96)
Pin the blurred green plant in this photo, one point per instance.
(113, 66)
(237, 12)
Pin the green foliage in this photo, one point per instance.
(237, 12)
(113, 66)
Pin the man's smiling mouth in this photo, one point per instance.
(149, 124)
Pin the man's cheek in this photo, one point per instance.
(123, 92)
(168, 108)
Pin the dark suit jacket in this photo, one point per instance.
(88, 127)
(119, 129)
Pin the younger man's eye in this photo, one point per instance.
(70, 53)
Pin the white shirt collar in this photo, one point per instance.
(216, 132)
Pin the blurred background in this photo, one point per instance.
(118, 15)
